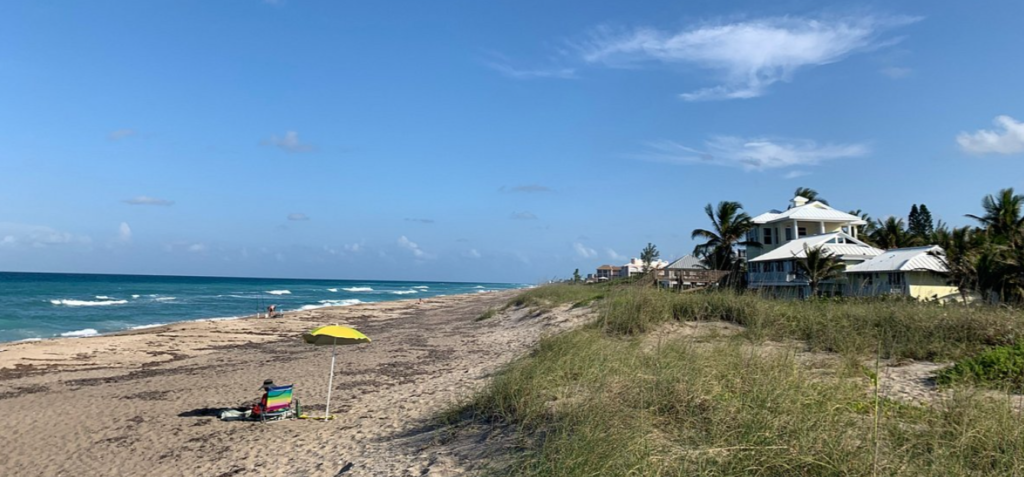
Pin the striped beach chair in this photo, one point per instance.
(280, 404)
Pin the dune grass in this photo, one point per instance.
(602, 400)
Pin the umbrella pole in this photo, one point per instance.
(330, 380)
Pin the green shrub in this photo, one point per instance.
(999, 367)
(487, 314)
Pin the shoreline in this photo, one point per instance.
(146, 327)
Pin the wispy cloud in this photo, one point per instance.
(523, 216)
(795, 174)
(289, 142)
(472, 253)
(503, 65)
(526, 189)
(121, 134)
(1007, 138)
(145, 200)
(414, 248)
(584, 251)
(37, 236)
(751, 153)
(124, 233)
(297, 216)
(422, 221)
(747, 56)
(197, 248)
(613, 255)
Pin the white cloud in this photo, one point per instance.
(354, 248)
(613, 255)
(1008, 138)
(121, 134)
(196, 248)
(144, 200)
(501, 64)
(38, 236)
(296, 216)
(748, 56)
(124, 233)
(289, 142)
(523, 216)
(753, 153)
(414, 248)
(795, 174)
(472, 253)
(583, 250)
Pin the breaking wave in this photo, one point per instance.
(404, 292)
(80, 333)
(327, 303)
(332, 290)
(422, 287)
(165, 298)
(358, 289)
(279, 292)
(88, 303)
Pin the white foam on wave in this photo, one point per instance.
(66, 302)
(327, 303)
(165, 298)
(80, 333)
(26, 340)
(422, 287)
(332, 290)
(103, 297)
(404, 292)
(479, 286)
(143, 327)
(135, 296)
(279, 292)
(358, 289)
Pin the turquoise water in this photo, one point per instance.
(49, 305)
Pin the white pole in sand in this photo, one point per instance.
(330, 380)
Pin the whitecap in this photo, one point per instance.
(135, 296)
(422, 287)
(358, 289)
(103, 297)
(332, 290)
(80, 333)
(478, 286)
(165, 298)
(66, 302)
(279, 292)
(327, 303)
(143, 327)
(404, 292)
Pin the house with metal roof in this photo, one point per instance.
(777, 271)
(918, 272)
(803, 218)
(688, 272)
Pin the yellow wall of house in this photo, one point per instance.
(929, 286)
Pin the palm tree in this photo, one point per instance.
(1002, 218)
(729, 227)
(818, 266)
(649, 254)
(960, 258)
(863, 231)
(810, 194)
(891, 234)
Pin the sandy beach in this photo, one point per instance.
(144, 402)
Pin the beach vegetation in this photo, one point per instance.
(999, 367)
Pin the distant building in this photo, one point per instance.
(688, 272)
(918, 272)
(607, 272)
(636, 266)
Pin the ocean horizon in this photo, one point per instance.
(54, 305)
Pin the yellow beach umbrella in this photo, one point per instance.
(333, 335)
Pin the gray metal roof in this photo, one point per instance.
(814, 211)
(851, 248)
(687, 262)
(905, 260)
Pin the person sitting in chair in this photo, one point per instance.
(260, 406)
(270, 311)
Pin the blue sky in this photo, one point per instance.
(479, 141)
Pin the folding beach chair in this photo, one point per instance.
(279, 404)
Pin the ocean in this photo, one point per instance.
(50, 305)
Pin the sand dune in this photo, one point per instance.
(142, 403)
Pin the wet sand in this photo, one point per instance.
(144, 402)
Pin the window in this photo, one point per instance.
(767, 236)
(896, 279)
(801, 232)
(789, 234)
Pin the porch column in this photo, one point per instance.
(822, 225)
(796, 231)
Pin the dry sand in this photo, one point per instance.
(143, 403)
